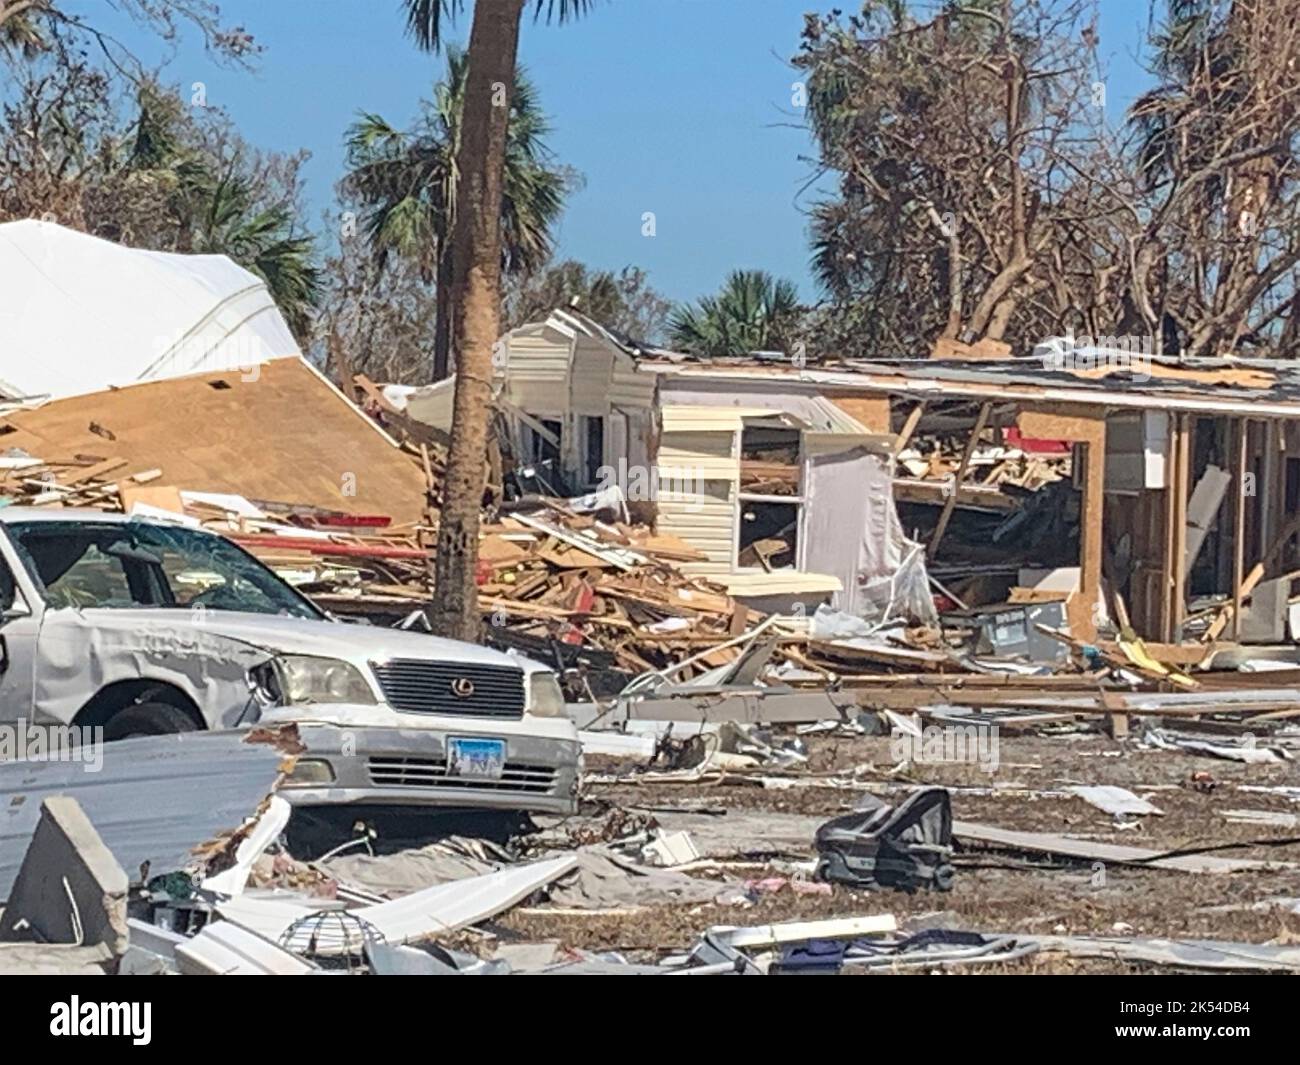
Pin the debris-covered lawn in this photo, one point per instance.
(993, 891)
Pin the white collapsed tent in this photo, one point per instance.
(79, 314)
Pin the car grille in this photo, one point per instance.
(422, 687)
(431, 773)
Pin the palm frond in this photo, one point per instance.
(427, 21)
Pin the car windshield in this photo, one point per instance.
(135, 564)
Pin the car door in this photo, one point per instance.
(19, 626)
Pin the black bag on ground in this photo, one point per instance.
(906, 847)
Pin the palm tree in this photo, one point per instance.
(214, 206)
(476, 280)
(263, 239)
(753, 312)
(406, 180)
(1193, 56)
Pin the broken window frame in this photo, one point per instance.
(534, 447)
(589, 465)
(798, 501)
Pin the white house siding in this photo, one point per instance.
(590, 378)
(698, 445)
(537, 376)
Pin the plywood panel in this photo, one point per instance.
(872, 411)
(287, 436)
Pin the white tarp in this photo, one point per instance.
(859, 538)
(80, 314)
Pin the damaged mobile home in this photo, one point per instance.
(1167, 484)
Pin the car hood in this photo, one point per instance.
(303, 636)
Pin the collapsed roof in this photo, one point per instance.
(284, 434)
(1253, 387)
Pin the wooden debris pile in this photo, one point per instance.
(570, 578)
(72, 481)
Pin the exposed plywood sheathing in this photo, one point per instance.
(871, 411)
(1242, 378)
(982, 350)
(288, 435)
(1089, 430)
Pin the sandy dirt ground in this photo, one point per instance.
(993, 892)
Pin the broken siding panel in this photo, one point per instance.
(640, 439)
(593, 367)
(692, 418)
(629, 387)
(709, 454)
(1135, 450)
(697, 472)
(537, 372)
(705, 518)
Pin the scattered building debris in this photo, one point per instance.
(70, 894)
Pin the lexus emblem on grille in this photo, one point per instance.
(462, 687)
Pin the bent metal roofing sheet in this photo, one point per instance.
(1256, 387)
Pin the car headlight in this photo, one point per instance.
(289, 680)
(545, 699)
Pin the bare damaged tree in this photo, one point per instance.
(948, 137)
(982, 198)
(30, 27)
(1216, 215)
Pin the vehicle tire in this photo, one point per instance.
(148, 719)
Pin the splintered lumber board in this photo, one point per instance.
(1090, 850)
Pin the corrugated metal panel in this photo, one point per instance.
(154, 798)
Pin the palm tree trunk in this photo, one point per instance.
(476, 251)
(442, 323)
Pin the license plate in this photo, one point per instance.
(476, 758)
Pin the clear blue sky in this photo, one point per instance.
(679, 107)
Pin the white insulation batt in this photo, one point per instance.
(82, 314)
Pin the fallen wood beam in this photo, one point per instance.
(330, 547)
(959, 476)
(1090, 850)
